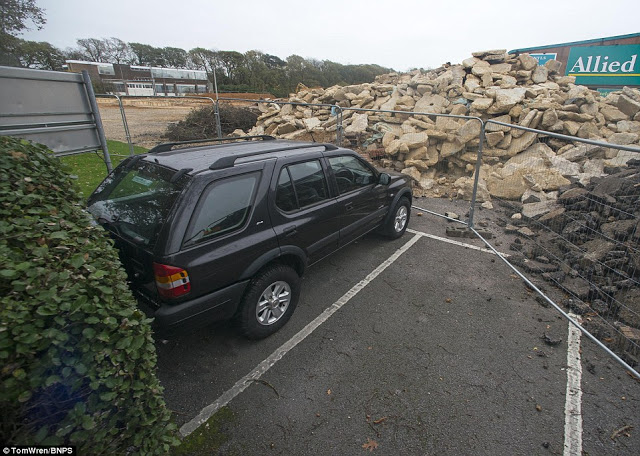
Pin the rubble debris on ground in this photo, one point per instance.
(587, 242)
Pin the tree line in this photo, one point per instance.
(251, 71)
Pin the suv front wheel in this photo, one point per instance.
(269, 301)
(397, 223)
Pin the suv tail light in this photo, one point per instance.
(172, 282)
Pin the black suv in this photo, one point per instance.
(210, 232)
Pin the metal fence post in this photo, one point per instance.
(126, 126)
(339, 126)
(98, 119)
(477, 176)
(216, 110)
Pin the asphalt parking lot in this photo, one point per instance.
(412, 346)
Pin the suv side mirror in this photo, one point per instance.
(384, 179)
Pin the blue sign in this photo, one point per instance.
(604, 91)
(544, 58)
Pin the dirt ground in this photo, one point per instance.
(146, 124)
(148, 118)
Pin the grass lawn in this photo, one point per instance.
(90, 167)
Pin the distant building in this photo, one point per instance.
(605, 63)
(123, 79)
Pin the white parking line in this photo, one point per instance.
(461, 244)
(265, 365)
(573, 400)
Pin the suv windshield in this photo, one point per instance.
(134, 201)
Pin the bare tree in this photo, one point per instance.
(94, 48)
(74, 54)
(117, 51)
(203, 59)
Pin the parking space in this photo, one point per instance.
(196, 369)
(430, 348)
(610, 405)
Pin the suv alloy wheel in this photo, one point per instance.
(269, 301)
(398, 222)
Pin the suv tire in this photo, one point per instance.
(269, 301)
(399, 220)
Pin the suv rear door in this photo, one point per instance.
(304, 213)
(226, 228)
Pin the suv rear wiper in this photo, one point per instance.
(113, 223)
(103, 220)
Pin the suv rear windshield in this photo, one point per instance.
(134, 201)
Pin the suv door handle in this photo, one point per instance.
(348, 206)
(290, 231)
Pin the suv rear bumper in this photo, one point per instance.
(173, 319)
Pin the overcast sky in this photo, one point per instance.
(400, 34)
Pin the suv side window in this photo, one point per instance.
(223, 207)
(301, 185)
(351, 174)
(285, 195)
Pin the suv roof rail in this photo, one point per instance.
(166, 147)
(230, 160)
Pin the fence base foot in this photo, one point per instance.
(464, 232)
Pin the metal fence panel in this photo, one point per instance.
(298, 112)
(144, 120)
(570, 206)
(521, 173)
(523, 176)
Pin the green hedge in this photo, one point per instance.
(77, 356)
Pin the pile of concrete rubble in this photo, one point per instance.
(440, 152)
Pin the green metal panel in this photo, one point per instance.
(575, 43)
(605, 65)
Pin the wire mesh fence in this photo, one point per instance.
(294, 119)
(439, 151)
(573, 211)
(569, 206)
(144, 121)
